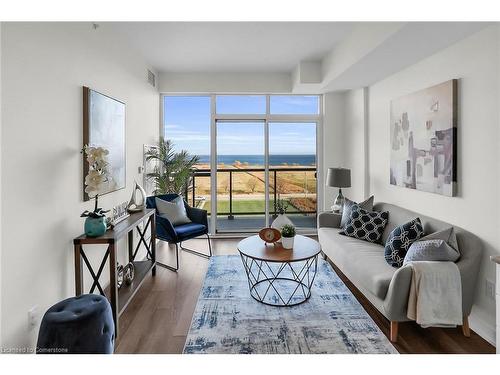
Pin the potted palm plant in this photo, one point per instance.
(173, 170)
(287, 236)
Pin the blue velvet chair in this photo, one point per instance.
(78, 325)
(176, 234)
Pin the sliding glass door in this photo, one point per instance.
(241, 200)
(292, 171)
(254, 151)
(243, 172)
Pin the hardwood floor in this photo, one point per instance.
(158, 318)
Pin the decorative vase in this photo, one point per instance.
(95, 227)
(281, 220)
(137, 204)
(287, 242)
(120, 274)
(129, 273)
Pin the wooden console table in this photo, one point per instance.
(119, 298)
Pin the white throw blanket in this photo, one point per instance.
(435, 298)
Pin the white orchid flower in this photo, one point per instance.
(96, 155)
(94, 181)
(98, 171)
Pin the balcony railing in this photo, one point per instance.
(296, 185)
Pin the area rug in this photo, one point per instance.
(228, 320)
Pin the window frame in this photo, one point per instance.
(267, 118)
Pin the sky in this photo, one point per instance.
(187, 124)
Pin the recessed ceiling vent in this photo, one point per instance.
(151, 78)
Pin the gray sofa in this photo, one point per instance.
(387, 288)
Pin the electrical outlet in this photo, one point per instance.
(33, 317)
(490, 289)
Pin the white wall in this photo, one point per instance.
(345, 141)
(475, 62)
(355, 139)
(333, 135)
(44, 66)
(225, 82)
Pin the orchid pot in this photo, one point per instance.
(95, 227)
(95, 222)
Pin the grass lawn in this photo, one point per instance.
(257, 205)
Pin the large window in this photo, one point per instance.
(186, 122)
(240, 104)
(265, 150)
(294, 105)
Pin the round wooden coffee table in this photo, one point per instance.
(277, 276)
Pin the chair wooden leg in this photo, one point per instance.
(465, 326)
(394, 331)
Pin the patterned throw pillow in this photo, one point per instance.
(348, 204)
(400, 240)
(365, 225)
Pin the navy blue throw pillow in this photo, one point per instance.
(365, 225)
(400, 240)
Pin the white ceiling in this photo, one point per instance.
(230, 46)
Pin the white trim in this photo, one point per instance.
(213, 167)
(482, 328)
(243, 117)
(266, 162)
(161, 130)
(269, 117)
(320, 186)
(366, 159)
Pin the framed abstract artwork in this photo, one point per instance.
(424, 140)
(104, 126)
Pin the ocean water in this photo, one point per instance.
(274, 160)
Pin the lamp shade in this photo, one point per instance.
(338, 177)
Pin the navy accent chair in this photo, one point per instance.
(78, 325)
(177, 234)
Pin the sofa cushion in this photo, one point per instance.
(400, 240)
(348, 204)
(362, 262)
(365, 225)
(190, 230)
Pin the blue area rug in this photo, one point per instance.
(228, 320)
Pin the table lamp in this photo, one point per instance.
(341, 178)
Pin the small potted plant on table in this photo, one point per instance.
(287, 236)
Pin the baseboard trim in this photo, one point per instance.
(483, 329)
